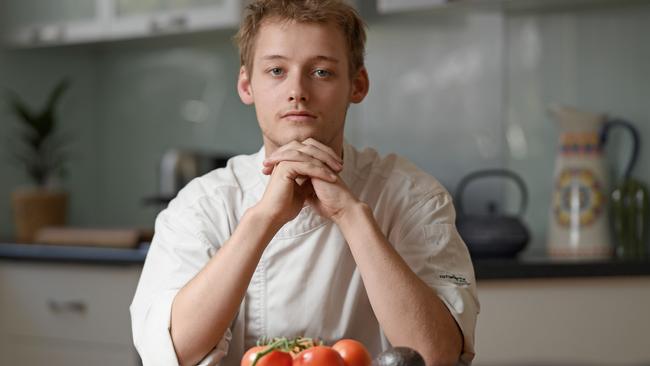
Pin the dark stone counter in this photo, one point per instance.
(512, 269)
(493, 269)
(73, 254)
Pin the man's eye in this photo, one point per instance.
(276, 71)
(322, 73)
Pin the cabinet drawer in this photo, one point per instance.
(67, 301)
(19, 350)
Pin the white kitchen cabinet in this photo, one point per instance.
(580, 321)
(37, 22)
(390, 6)
(66, 314)
(39, 352)
(141, 18)
(29, 23)
(397, 6)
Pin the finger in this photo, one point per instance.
(314, 169)
(333, 162)
(286, 155)
(294, 155)
(305, 154)
(310, 142)
(323, 147)
(293, 145)
(310, 153)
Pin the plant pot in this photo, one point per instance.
(37, 208)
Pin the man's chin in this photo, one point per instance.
(301, 136)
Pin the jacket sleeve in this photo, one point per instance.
(185, 239)
(427, 239)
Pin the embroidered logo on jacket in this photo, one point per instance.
(458, 280)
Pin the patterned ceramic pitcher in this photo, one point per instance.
(579, 226)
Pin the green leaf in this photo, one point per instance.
(41, 152)
(47, 119)
(58, 91)
(21, 110)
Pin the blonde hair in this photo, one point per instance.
(303, 11)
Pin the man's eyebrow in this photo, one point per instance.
(319, 57)
(327, 58)
(273, 57)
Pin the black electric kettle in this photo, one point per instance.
(494, 235)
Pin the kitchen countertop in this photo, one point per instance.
(492, 269)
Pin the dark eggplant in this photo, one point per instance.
(399, 356)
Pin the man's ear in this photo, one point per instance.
(244, 87)
(360, 86)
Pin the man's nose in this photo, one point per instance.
(298, 89)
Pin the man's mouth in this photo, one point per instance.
(299, 116)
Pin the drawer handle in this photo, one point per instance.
(73, 306)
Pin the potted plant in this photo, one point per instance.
(39, 150)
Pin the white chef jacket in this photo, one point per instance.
(306, 283)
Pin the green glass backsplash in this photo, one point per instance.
(452, 91)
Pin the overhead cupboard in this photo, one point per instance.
(33, 23)
(37, 23)
(400, 6)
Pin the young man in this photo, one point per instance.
(309, 236)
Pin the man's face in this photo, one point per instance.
(300, 83)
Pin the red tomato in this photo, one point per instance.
(318, 356)
(354, 353)
(275, 358)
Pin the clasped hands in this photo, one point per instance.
(305, 173)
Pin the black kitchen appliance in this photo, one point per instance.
(178, 167)
(494, 235)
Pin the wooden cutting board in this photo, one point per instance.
(114, 238)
